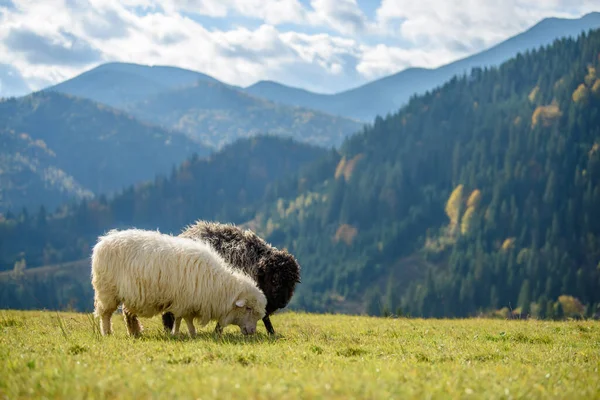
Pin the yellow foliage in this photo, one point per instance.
(559, 83)
(350, 165)
(299, 203)
(271, 226)
(571, 306)
(596, 88)
(466, 220)
(308, 200)
(517, 120)
(474, 199)
(547, 114)
(508, 243)
(590, 78)
(346, 167)
(439, 244)
(580, 94)
(503, 313)
(340, 167)
(454, 204)
(533, 94)
(346, 233)
(594, 149)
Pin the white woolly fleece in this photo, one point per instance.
(150, 273)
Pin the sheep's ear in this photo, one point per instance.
(240, 303)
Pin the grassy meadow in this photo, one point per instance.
(61, 355)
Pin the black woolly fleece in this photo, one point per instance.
(275, 271)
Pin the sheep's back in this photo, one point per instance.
(153, 272)
(241, 249)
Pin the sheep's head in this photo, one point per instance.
(278, 274)
(246, 311)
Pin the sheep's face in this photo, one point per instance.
(244, 314)
(279, 274)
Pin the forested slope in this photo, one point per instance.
(97, 147)
(481, 194)
(219, 187)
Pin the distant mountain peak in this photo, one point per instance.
(389, 93)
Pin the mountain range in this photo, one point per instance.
(476, 198)
(119, 84)
(220, 186)
(388, 94)
(29, 176)
(56, 147)
(479, 194)
(206, 110)
(215, 113)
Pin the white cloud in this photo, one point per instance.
(38, 37)
(469, 25)
(342, 15)
(239, 56)
(383, 60)
(272, 12)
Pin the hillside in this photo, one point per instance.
(388, 94)
(96, 148)
(61, 355)
(220, 187)
(208, 111)
(215, 114)
(119, 84)
(480, 195)
(28, 174)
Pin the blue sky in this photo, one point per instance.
(321, 45)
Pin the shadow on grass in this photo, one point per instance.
(158, 335)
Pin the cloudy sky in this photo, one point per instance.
(321, 45)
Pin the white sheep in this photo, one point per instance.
(151, 273)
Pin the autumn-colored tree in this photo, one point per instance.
(454, 207)
(571, 306)
(474, 198)
(533, 94)
(467, 218)
(581, 94)
(596, 88)
(545, 114)
(590, 78)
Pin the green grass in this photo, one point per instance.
(62, 355)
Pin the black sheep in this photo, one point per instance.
(275, 271)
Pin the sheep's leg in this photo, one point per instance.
(268, 325)
(105, 325)
(168, 320)
(134, 328)
(176, 325)
(105, 309)
(190, 324)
